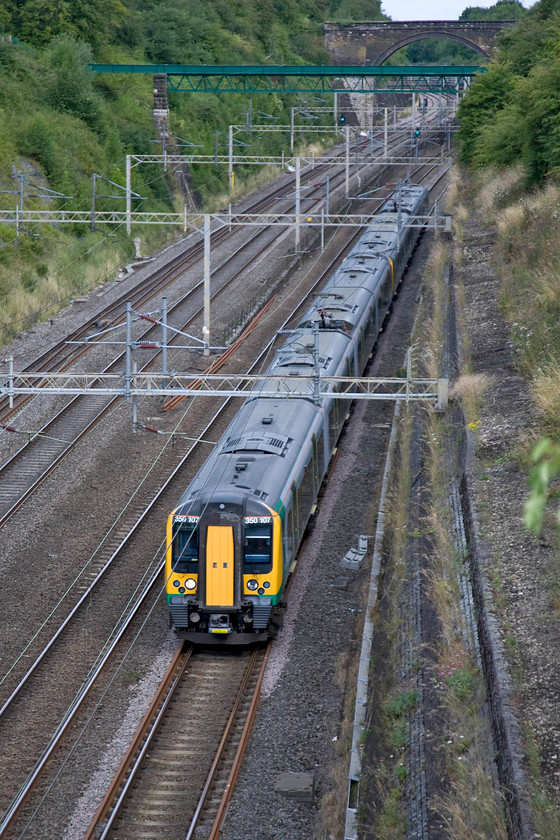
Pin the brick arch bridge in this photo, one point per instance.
(373, 43)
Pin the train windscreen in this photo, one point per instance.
(185, 547)
(258, 543)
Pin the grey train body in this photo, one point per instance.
(274, 455)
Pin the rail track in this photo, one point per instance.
(59, 648)
(178, 774)
(60, 355)
(13, 810)
(36, 459)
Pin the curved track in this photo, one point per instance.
(4, 825)
(28, 467)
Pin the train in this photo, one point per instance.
(233, 538)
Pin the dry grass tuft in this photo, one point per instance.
(546, 393)
(332, 807)
(546, 202)
(547, 286)
(453, 190)
(435, 270)
(498, 186)
(469, 386)
(511, 220)
(470, 799)
(460, 217)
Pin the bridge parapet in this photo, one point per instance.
(372, 43)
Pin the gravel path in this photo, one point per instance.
(522, 569)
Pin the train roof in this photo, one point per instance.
(262, 449)
(410, 195)
(258, 453)
(299, 352)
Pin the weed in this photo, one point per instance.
(391, 824)
(398, 706)
(132, 677)
(400, 772)
(461, 682)
(547, 821)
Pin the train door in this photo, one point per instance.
(219, 566)
(295, 518)
(333, 426)
(318, 461)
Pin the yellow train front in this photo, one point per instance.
(224, 570)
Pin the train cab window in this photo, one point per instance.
(185, 547)
(258, 546)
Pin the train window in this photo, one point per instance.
(318, 461)
(258, 546)
(306, 493)
(185, 547)
(289, 537)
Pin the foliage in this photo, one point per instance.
(512, 115)
(546, 460)
(36, 22)
(355, 10)
(440, 51)
(478, 109)
(502, 10)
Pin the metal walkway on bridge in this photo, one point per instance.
(283, 78)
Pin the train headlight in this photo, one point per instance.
(190, 583)
(176, 583)
(266, 584)
(252, 584)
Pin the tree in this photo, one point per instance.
(489, 93)
(68, 85)
(502, 10)
(38, 21)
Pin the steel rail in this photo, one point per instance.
(42, 437)
(229, 725)
(142, 740)
(234, 772)
(31, 780)
(26, 788)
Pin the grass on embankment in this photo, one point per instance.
(59, 124)
(467, 804)
(527, 261)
